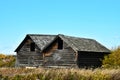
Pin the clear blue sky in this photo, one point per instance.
(96, 19)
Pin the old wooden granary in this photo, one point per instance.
(59, 51)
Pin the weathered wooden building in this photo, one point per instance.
(59, 50)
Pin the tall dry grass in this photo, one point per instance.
(58, 74)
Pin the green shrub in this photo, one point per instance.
(113, 59)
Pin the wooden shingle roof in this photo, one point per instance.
(84, 44)
(41, 40)
(76, 43)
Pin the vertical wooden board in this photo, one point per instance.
(90, 59)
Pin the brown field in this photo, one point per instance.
(58, 74)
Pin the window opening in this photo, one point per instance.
(60, 43)
(32, 47)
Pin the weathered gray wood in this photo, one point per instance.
(25, 57)
(59, 50)
(61, 58)
(88, 59)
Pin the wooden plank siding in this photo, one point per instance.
(52, 56)
(90, 59)
(59, 57)
(25, 57)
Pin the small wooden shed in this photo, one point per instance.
(59, 51)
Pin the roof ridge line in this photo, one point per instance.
(78, 37)
(41, 35)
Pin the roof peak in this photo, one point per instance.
(41, 35)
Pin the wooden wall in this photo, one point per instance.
(25, 57)
(90, 59)
(52, 56)
(59, 57)
(63, 58)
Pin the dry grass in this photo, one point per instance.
(58, 74)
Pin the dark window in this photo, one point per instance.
(32, 47)
(60, 43)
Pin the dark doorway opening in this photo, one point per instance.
(60, 43)
(32, 47)
(89, 59)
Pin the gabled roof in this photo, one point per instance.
(77, 44)
(40, 40)
(84, 44)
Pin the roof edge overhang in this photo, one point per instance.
(49, 43)
(22, 43)
(72, 46)
(58, 36)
